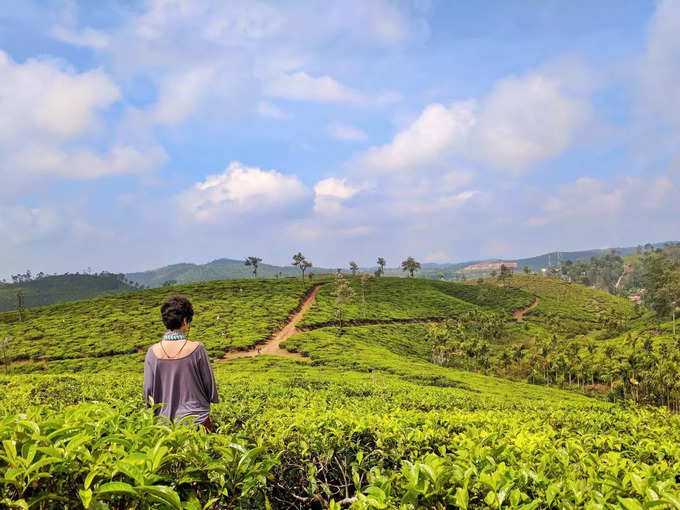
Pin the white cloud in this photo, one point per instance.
(335, 188)
(41, 98)
(302, 87)
(329, 194)
(346, 132)
(525, 121)
(180, 94)
(519, 124)
(86, 164)
(267, 109)
(48, 111)
(436, 133)
(87, 37)
(240, 189)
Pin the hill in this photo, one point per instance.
(219, 269)
(231, 268)
(374, 414)
(60, 288)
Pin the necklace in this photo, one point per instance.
(174, 335)
(178, 352)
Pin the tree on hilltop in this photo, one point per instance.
(381, 267)
(253, 262)
(505, 273)
(354, 267)
(301, 263)
(410, 265)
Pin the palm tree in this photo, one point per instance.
(410, 265)
(253, 261)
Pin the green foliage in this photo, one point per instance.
(369, 423)
(572, 309)
(410, 265)
(399, 298)
(230, 314)
(55, 289)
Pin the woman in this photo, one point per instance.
(177, 372)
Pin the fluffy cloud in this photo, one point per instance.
(44, 99)
(46, 109)
(438, 131)
(303, 87)
(346, 132)
(329, 194)
(525, 121)
(520, 123)
(240, 189)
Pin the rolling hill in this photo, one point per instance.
(61, 288)
(362, 418)
(233, 268)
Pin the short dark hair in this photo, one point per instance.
(175, 310)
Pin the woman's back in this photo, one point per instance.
(185, 385)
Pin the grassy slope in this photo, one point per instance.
(60, 288)
(404, 298)
(230, 314)
(571, 308)
(369, 392)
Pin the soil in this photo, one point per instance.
(520, 313)
(272, 346)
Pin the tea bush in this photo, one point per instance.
(230, 314)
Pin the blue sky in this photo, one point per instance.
(138, 134)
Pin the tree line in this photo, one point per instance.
(409, 265)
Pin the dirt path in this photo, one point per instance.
(520, 313)
(272, 346)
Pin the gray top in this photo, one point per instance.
(186, 386)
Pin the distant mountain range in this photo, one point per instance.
(232, 268)
(68, 287)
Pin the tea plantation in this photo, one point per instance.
(368, 422)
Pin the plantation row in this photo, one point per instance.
(230, 314)
(293, 436)
(369, 422)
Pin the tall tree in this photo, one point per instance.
(410, 265)
(354, 267)
(253, 262)
(302, 263)
(505, 273)
(381, 266)
(342, 294)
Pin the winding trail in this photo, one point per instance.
(519, 314)
(273, 344)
